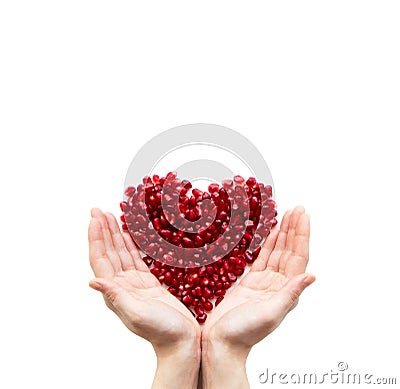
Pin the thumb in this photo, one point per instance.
(291, 291)
(109, 288)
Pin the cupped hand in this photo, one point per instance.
(132, 291)
(268, 292)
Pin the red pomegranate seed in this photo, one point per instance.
(207, 293)
(210, 269)
(201, 319)
(130, 191)
(197, 193)
(248, 256)
(173, 291)
(161, 278)
(214, 277)
(199, 310)
(238, 179)
(168, 278)
(187, 300)
(207, 305)
(193, 279)
(155, 271)
(218, 300)
(238, 271)
(251, 181)
(197, 291)
(212, 188)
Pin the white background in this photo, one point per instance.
(83, 84)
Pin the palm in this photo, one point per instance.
(129, 288)
(269, 291)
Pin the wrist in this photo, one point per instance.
(215, 345)
(223, 363)
(188, 347)
(178, 364)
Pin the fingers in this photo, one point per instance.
(297, 262)
(261, 262)
(274, 258)
(99, 260)
(287, 297)
(297, 212)
(119, 243)
(290, 237)
(131, 247)
(108, 242)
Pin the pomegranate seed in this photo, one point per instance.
(207, 305)
(212, 188)
(187, 300)
(207, 293)
(210, 269)
(218, 300)
(197, 291)
(238, 179)
(197, 193)
(199, 310)
(202, 272)
(130, 191)
(251, 181)
(238, 271)
(155, 271)
(173, 291)
(194, 279)
(248, 256)
(201, 319)
(199, 241)
(168, 278)
(187, 242)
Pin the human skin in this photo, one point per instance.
(264, 297)
(143, 305)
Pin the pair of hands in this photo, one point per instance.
(254, 308)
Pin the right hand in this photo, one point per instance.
(268, 292)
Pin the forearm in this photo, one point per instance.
(222, 366)
(178, 367)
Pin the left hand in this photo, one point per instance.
(133, 292)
